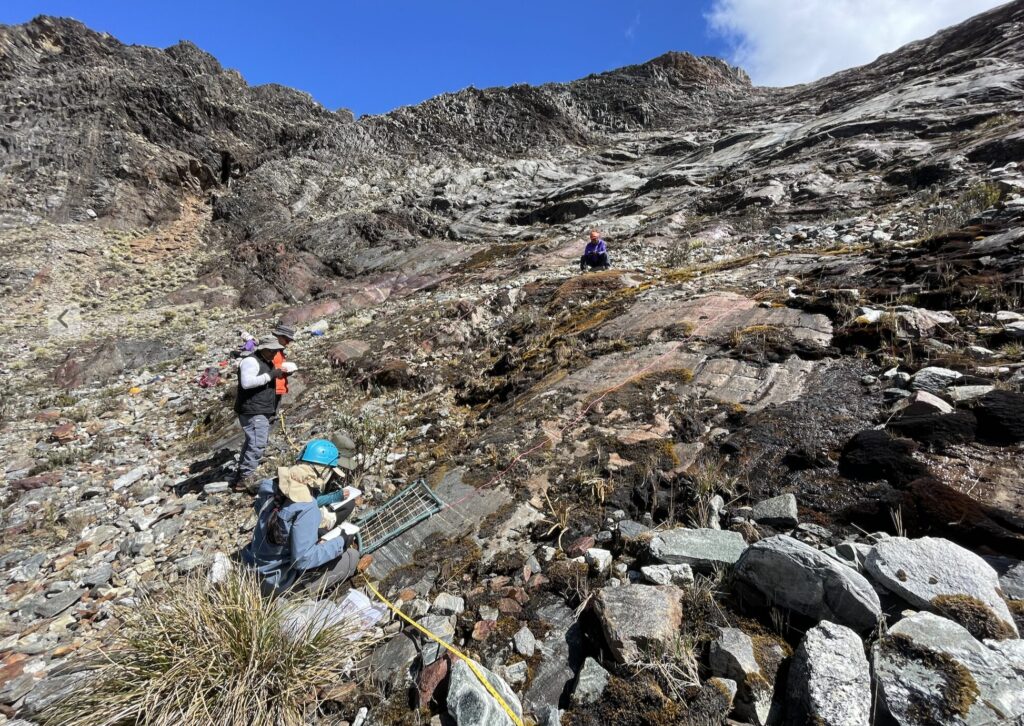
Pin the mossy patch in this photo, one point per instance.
(973, 614)
(959, 690)
(639, 701)
(492, 254)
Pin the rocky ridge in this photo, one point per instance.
(794, 401)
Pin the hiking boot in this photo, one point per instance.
(246, 485)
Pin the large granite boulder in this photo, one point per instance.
(639, 619)
(930, 670)
(829, 681)
(701, 549)
(935, 574)
(795, 576)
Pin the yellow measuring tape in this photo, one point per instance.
(469, 662)
(288, 436)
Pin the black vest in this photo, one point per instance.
(258, 401)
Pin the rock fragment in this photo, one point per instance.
(639, 619)
(701, 549)
(829, 681)
(778, 511)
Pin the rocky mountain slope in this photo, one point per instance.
(680, 491)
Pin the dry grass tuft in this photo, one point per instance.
(211, 656)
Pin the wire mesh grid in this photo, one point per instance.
(404, 510)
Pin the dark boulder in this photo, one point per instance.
(1000, 417)
(937, 430)
(872, 455)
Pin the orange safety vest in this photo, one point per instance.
(281, 384)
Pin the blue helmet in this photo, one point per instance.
(320, 451)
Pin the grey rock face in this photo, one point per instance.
(941, 576)
(469, 702)
(932, 671)
(777, 512)
(829, 680)
(701, 549)
(638, 618)
(389, 663)
(590, 683)
(48, 692)
(795, 576)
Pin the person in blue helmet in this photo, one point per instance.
(295, 543)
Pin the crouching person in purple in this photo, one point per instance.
(290, 548)
(596, 253)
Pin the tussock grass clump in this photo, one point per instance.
(212, 656)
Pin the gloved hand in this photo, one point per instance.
(327, 518)
(276, 373)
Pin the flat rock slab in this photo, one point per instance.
(829, 679)
(753, 386)
(795, 576)
(716, 317)
(451, 523)
(616, 368)
(935, 574)
(930, 670)
(701, 549)
(56, 604)
(639, 618)
(724, 380)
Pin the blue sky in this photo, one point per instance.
(373, 56)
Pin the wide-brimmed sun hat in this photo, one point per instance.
(269, 342)
(285, 331)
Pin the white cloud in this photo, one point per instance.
(782, 42)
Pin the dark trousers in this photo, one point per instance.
(597, 260)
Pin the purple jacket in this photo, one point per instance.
(595, 248)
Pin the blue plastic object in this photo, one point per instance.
(320, 451)
(330, 497)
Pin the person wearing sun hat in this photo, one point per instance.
(289, 547)
(284, 334)
(256, 404)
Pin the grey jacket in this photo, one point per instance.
(281, 565)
